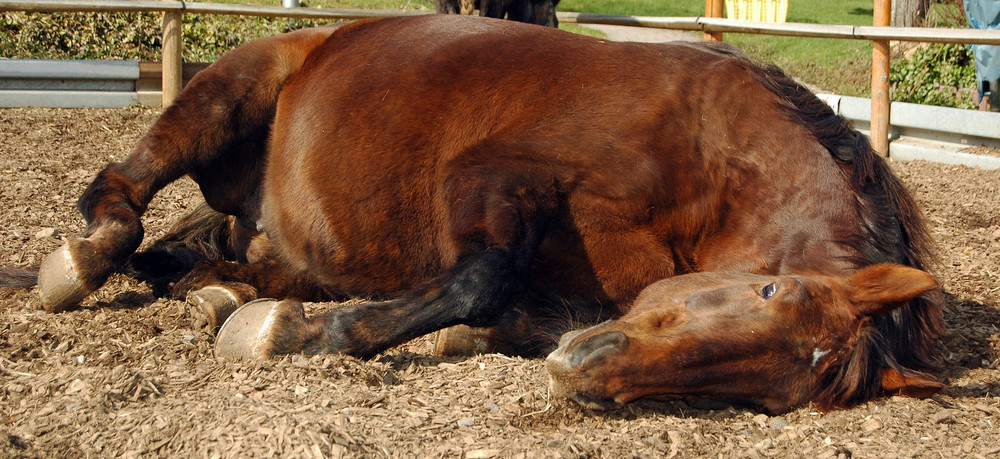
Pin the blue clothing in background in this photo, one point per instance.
(985, 14)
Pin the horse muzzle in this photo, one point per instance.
(576, 366)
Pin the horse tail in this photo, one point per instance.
(203, 235)
(17, 277)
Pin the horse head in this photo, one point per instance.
(771, 341)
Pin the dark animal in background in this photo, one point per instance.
(744, 241)
(541, 12)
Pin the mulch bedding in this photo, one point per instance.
(128, 375)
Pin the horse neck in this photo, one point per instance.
(793, 215)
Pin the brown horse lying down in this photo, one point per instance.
(453, 171)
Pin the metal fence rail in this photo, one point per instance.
(84, 84)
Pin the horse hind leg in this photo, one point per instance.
(203, 236)
(498, 218)
(214, 290)
(217, 263)
(223, 108)
(210, 306)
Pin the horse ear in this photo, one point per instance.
(879, 289)
(915, 385)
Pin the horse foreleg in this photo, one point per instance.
(472, 294)
(223, 112)
(498, 218)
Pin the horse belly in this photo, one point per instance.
(364, 247)
(354, 219)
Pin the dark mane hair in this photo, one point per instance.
(891, 231)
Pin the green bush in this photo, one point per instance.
(937, 74)
(206, 37)
(79, 35)
(128, 36)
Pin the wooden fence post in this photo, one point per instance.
(880, 82)
(713, 9)
(173, 50)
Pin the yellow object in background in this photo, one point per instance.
(757, 10)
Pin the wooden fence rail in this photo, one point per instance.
(703, 24)
(158, 6)
(790, 29)
(711, 26)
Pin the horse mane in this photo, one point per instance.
(891, 230)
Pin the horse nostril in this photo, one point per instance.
(597, 346)
(568, 337)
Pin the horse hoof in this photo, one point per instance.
(462, 340)
(261, 329)
(211, 306)
(59, 282)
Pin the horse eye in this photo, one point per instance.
(768, 291)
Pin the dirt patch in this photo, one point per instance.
(126, 375)
(982, 150)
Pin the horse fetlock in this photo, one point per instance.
(70, 273)
(263, 329)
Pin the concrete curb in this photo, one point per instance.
(905, 149)
(924, 132)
